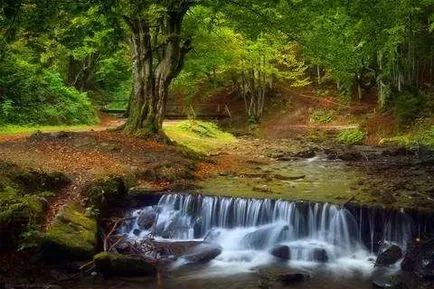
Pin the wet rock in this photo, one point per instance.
(258, 239)
(286, 276)
(137, 232)
(110, 264)
(350, 156)
(320, 255)
(170, 228)
(203, 253)
(212, 235)
(401, 151)
(389, 256)
(388, 282)
(420, 259)
(175, 248)
(282, 252)
(309, 153)
(147, 218)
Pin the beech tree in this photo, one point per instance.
(158, 53)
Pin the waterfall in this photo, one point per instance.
(309, 229)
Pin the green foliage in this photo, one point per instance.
(321, 116)
(223, 57)
(351, 136)
(419, 135)
(34, 95)
(408, 107)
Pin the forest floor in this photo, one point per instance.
(302, 163)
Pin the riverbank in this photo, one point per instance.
(295, 169)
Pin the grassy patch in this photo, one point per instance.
(199, 136)
(321, 116)
(17, 129)
(351, 136)
(420, 136)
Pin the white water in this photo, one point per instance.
(247, 229)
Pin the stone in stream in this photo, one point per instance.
(203, 253)
(258, 239)
(212, 236)
(147, 218)
(320, 255)
(389, 256)
(420, 259)
(111, 264)
(286, 276)
(306, 154)
(136, 232)
(350, 156)
(282, 251)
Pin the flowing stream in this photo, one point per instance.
(325, 237)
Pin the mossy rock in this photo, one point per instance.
(106, 192)
(72, 236)
(111, 264)
(32, 181)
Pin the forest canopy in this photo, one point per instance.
(59, 60)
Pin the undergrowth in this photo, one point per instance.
(351, 136)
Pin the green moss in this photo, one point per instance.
(199, 136)
(72, 236)
(299, 181)
(21, 209)
(105, 192)
(110, 264)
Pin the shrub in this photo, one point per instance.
(351, 136)
(408, 107)
(321, 116)
(34, 95)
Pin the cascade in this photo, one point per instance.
(242, 226)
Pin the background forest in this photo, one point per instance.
(61, 61)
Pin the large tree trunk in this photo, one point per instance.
(152, 80)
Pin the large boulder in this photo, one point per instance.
(110, 264)
(320, 255)
(175, 248)
(147, 218)
(203, 253)
(282, 251)
(72, 236)
(106, 192)
(259, 239)
(420, 259)
(389, 256)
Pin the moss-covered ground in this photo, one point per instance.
(300, 180)
(199, 136)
